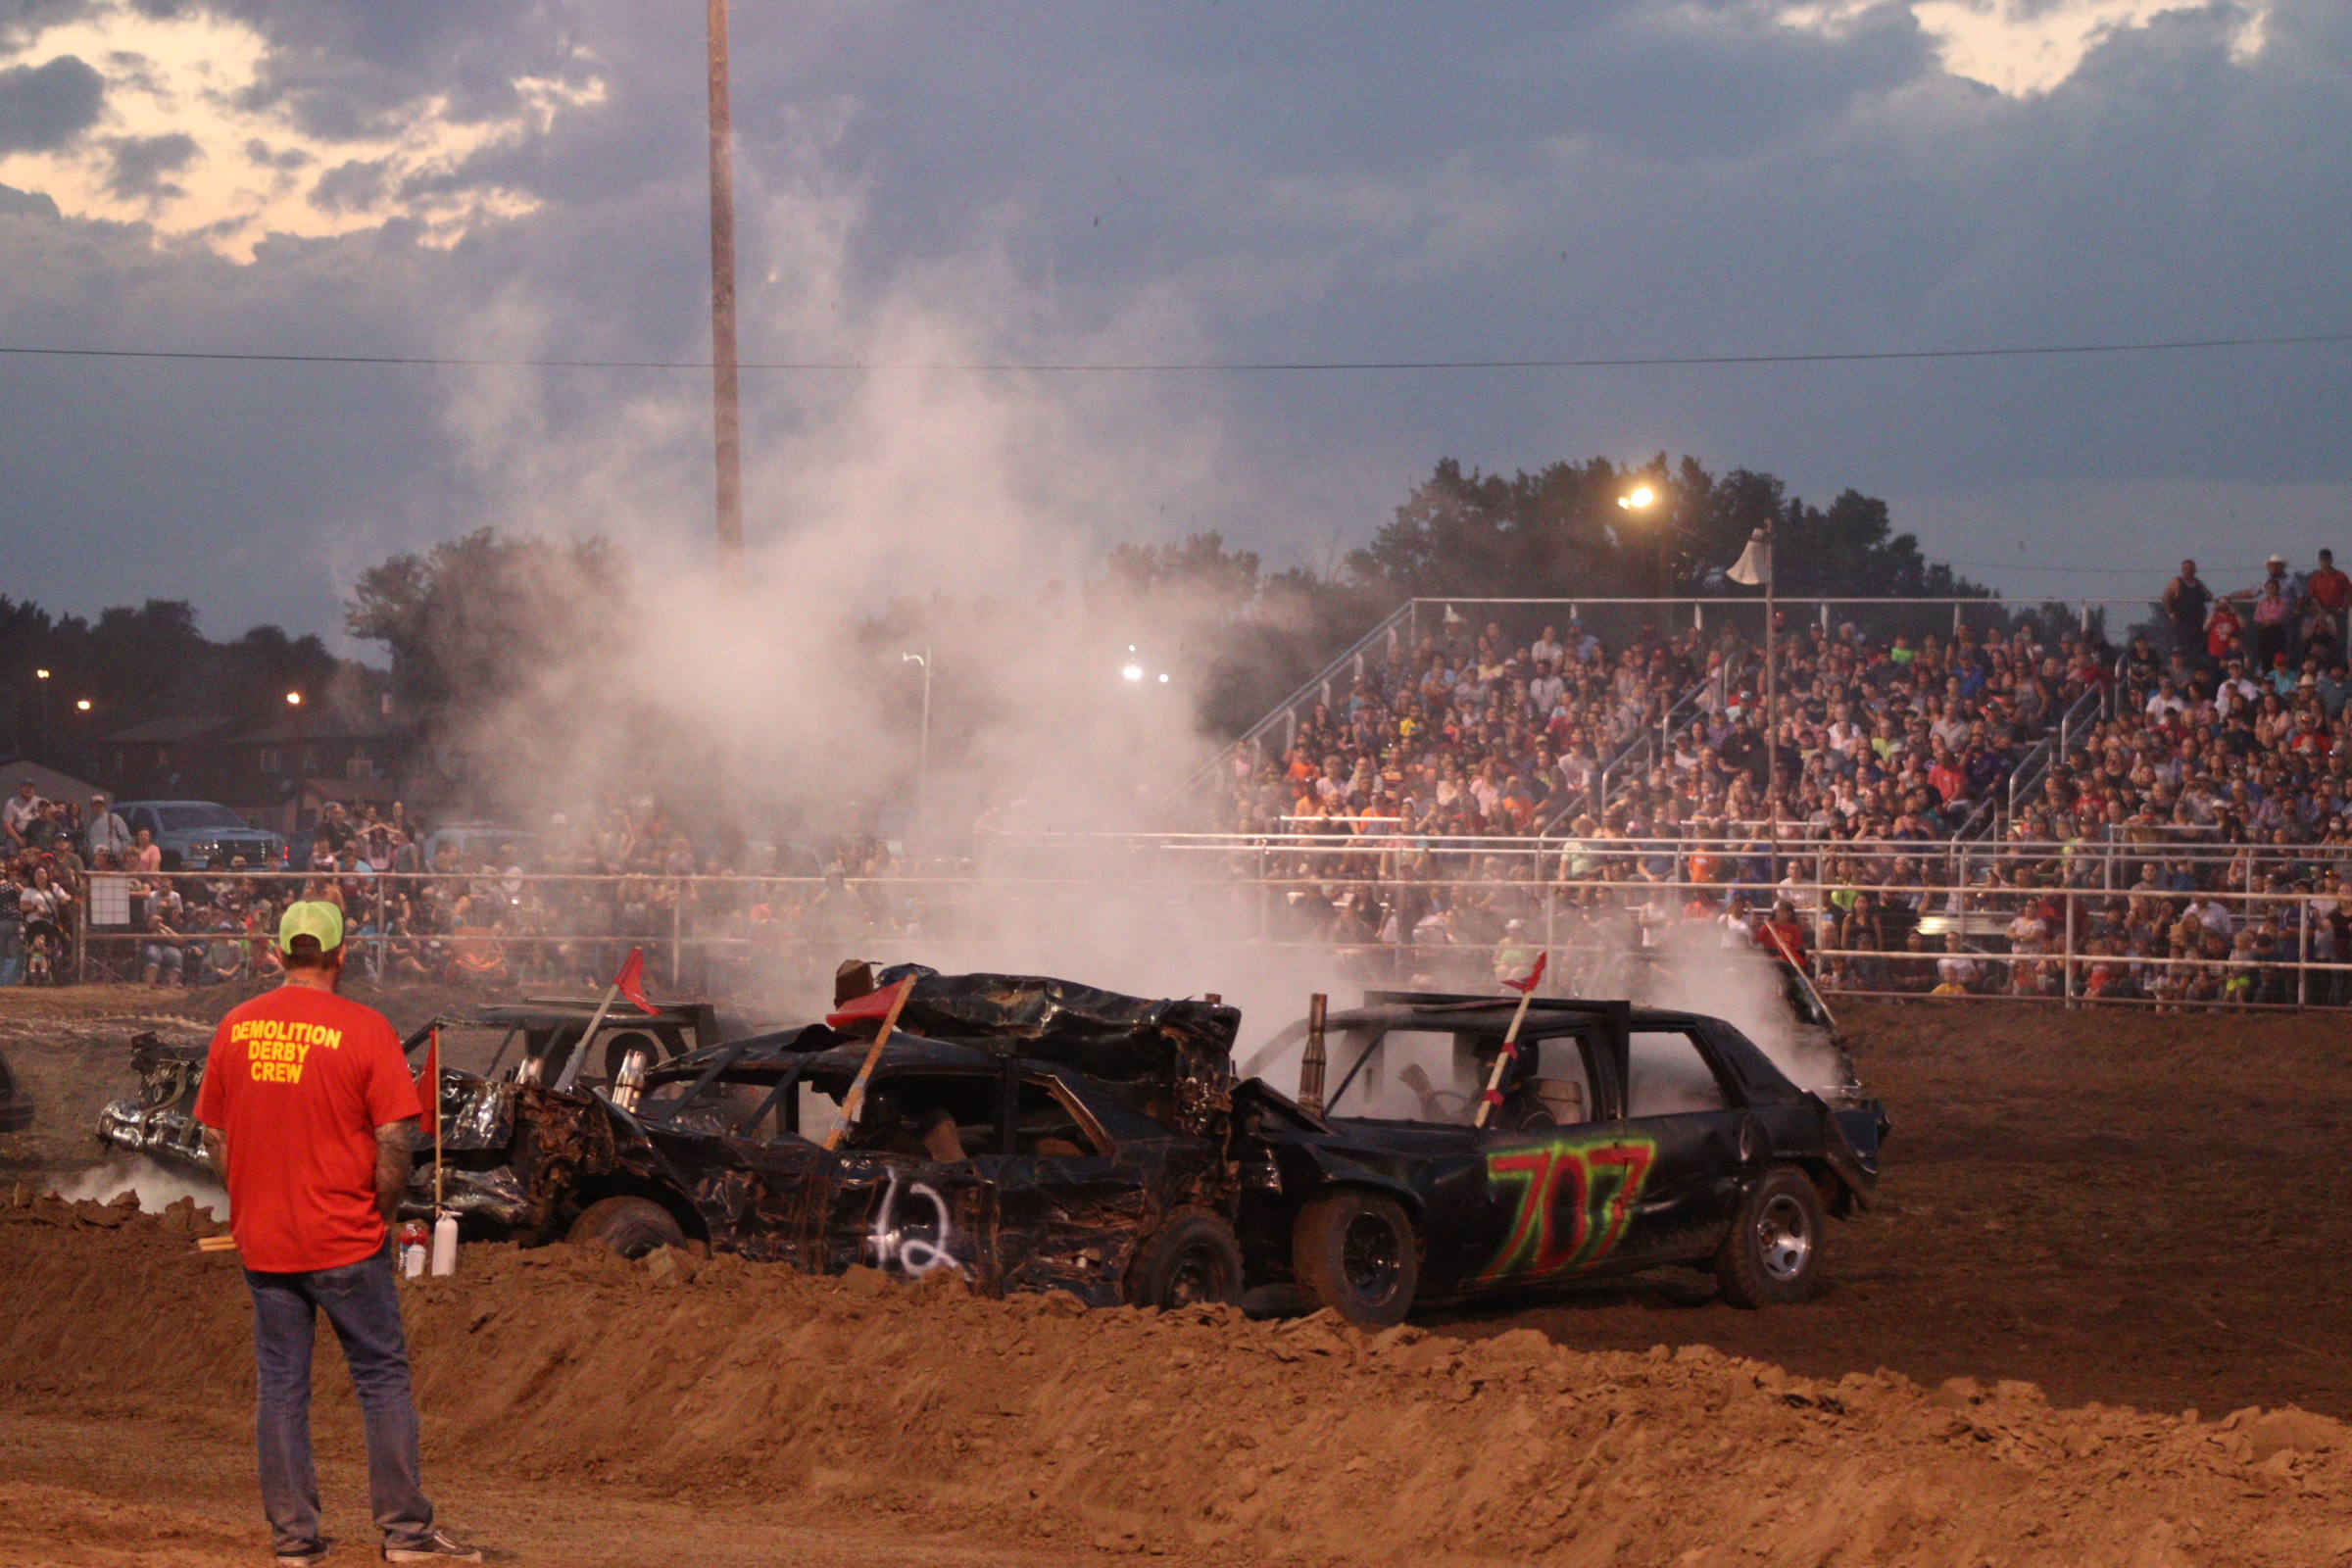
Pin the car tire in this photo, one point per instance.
(1192, 1260)
(1773, 1254)
(1355, 1253)
(630, 1226)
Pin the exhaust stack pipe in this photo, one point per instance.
(628, 1083)
(1310, 1066)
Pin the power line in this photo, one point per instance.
(1232, 367)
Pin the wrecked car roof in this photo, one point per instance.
(1101, 1033)
(815, 1046)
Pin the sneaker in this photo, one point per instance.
(309, 1556)
(439, 1546)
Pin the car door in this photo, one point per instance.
(767, 1190)
(890, 1203)
(1070, 1207)
(1678, 1144)
(1560, 1183)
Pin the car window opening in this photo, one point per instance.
(1670, 1075)
(1440, 1076)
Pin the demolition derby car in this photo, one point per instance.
(1032, 1134)
(534, 1041)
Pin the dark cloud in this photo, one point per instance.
(46, 106)
(339, 66)
(1512, 179)
(20, 20)
(351, 186)
(140, 166)
(284, 160)
(15, 202)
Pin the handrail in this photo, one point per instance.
(2030, 770)
(1600, 797)
(1289, 705)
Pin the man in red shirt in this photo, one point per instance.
(307, 1109)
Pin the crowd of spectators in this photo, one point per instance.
(2188, 838)
(552, 906)
(2184, 839)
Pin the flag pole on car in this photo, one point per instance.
(886, 1004)
(1509, 1053)
(629, 983)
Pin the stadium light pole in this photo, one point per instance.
(1640, 498)
(40, 681)
(922, 777)
(726, 421)
(1754, 570)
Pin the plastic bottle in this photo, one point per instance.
(445, 1244)
(412, 1248)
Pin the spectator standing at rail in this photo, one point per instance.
(105, 832)
(307, 1111)
(2274, 617)
(2185, 601)
(18, 817)
(2327, 594)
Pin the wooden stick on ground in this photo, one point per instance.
(855, 1100)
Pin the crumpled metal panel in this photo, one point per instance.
(559, 1138)
(1178, 1051)
(494, 1194)
(476, 1113)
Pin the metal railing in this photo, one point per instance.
(1367, 895)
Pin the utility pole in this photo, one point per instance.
(723, 297)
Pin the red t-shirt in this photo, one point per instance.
(297, 1081)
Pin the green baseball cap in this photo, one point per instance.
(314, 918)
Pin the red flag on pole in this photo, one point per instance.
(630, 982)
(428, 1086)
(1527, 987)
(873, 1008)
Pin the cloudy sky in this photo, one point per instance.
(1178, 180)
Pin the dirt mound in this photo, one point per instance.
(1035, 1420)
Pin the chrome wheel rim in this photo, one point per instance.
(1370, 1257)
(1783, 1238)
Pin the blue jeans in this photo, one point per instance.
(363, 1304)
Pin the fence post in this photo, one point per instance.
(676, 916)
(2070, 949)
(2302, 953)
(81, 933)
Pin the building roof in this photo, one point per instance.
(185, 727)
(323, 725)
(48, 782)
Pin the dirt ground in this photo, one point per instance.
(2134, 1214)
(2123, 1207)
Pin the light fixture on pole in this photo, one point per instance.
(41, 684)
(1640, 498)
(922, 777)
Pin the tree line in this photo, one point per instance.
(474, 622)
